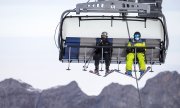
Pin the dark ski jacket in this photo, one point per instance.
(105, 50)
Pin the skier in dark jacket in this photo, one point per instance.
(107, 52)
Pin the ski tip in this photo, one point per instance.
(148, 67)
(111, 71)
(94, 73)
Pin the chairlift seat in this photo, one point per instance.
(81, 54)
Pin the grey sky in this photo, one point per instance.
(28, 51)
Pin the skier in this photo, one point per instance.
(140, 54)
(107, 52)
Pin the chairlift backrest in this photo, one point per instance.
(93, 26)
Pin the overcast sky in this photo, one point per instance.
(28, 52)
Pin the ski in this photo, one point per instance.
(148, 68)
(124, 74)
(110, 71)
(94, 73)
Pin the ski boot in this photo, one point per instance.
(141, 72)
(96, 70)
(129, 72)
(107, 70)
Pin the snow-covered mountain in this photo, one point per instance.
(162, 91)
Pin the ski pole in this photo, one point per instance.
(88, 61)
(90, 58)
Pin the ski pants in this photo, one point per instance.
(106, 57)
(130, 59)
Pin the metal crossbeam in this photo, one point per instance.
(113, 7)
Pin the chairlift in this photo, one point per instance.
(80, 30)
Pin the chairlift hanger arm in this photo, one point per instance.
(166, 33)
(61, 23)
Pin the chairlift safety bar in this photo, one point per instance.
(86, 46)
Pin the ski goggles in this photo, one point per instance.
(137, 36)
(103, 36)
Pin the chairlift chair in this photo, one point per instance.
(80, 30)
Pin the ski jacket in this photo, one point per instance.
(133, 43)
(105, 50)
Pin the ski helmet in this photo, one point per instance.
(137, 36)
(104, 35)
